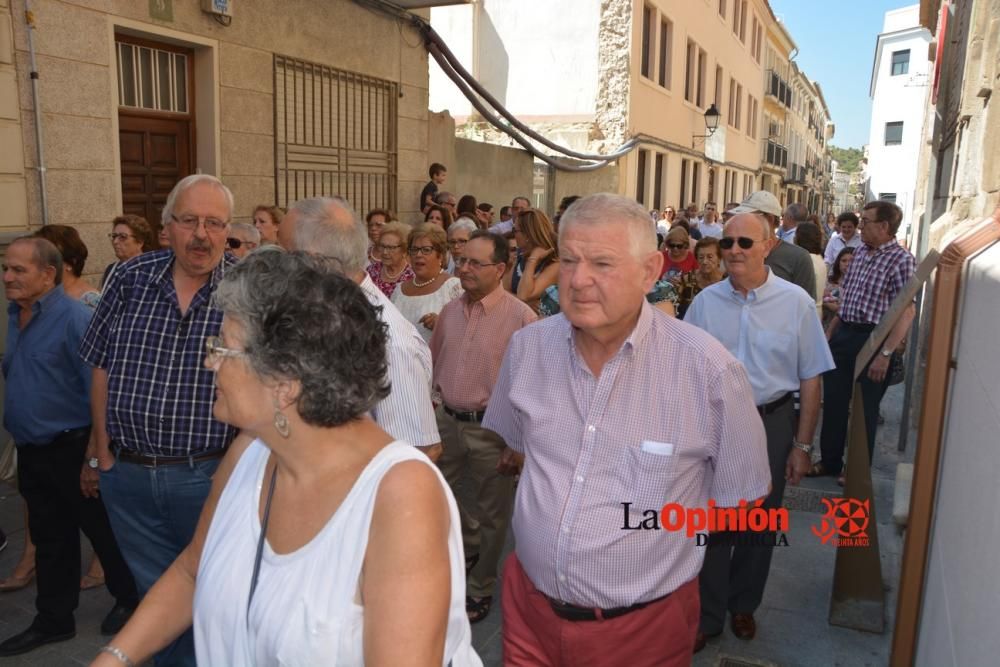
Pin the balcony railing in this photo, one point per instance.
(796, 173)
(778, 88)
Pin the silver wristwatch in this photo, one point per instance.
(886, 353)
(803, 446)
(93, 462)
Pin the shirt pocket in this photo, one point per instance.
(651, 472)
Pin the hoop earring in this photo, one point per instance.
(281, 423)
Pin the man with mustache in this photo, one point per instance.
(154, 444)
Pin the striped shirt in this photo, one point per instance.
(873, 279)
(160, 394)
(633, 434)
(468, 343)
(407, 412)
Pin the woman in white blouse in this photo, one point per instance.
(324, 541)
(422, 297)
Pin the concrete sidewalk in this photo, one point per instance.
(792, 622)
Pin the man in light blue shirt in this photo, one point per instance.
(770, 326)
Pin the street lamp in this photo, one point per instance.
(712, 117)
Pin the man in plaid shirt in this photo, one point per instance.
(880, 269)
(155, 443)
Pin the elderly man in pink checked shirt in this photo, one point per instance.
(606, 436)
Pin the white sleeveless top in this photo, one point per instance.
(304, 610)
(415, 307)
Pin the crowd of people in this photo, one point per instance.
(305, 439)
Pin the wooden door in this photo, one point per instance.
(155, 154)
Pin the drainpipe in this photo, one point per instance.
(29, 19)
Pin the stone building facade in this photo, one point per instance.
(284, 100)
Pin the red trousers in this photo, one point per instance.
(660, 635)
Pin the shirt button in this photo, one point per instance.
(579, 478)
(562, 577)
(591, 428)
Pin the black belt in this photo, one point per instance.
(157, 461)
(474, 416)
(571, 612)
(863, 327)
(768, 408)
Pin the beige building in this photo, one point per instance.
(807, 179)
(778, 99)
(281, 100)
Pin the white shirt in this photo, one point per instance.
(773, 331)
(503, 227)
(415, 307)
(787, 234)
(407, 412)
(305, 609)
(713, 229)
(836, 244)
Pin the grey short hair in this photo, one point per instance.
(604, 208)
(187, 182)
(246, 231)
(44, 254)
(797, 212)
(460, 224)
(304, 321)
(317, 230)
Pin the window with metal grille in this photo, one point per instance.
(150, 78)
(334, 135)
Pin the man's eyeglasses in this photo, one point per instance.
(424, 250)
(727, 242)
(389, 248)
(474, 264)
(236, 244)
(190, 223)
(677, 246)
(119, 236)
(215, 351)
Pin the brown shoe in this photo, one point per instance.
(701, 639)
(744, 627)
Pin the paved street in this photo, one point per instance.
(792, 625)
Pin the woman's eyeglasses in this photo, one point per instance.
(424, 250)
(726, 242)
(119, 236)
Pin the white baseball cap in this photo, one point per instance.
(762, 201)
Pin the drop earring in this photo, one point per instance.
(281, 423)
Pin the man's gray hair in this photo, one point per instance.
(190, 181)
(245, 231)
(797, 212)
(460, 224)
(44, 254)
(605, 208)
(342, 239)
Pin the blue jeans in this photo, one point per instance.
(154, 512)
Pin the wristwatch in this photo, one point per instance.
(803, 446)
(93, 462)
(886, 353)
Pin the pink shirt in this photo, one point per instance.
(468, 344)
(591, 444)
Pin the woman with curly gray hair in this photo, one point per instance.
(324, 541)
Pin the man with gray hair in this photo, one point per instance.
(604, 451)
(243, 239)
(328, 226)
(517, 205)
(155, 443)
(793, 216)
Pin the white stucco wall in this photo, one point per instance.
(539, 58)
(898, 98)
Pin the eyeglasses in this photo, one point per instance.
(215, 351)
(727, 242)
(457, 243)
(421, 250)
(190, 223)
(677, 246)
(236, 244)
(119, 236)
(389, 248)
(474, 264)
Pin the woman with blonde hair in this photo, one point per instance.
(393, 266)
(267, 219)
(537, 265)
(422, 297)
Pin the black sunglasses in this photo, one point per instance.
(235, 244)
(677, 246)
(727, 242)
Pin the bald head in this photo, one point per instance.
(758, 219)
(328, 226)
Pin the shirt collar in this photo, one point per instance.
(166, 273)
(757, 293)
(639, 332)
(43, 302)
(488, 301)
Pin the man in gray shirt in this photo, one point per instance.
(787, 260)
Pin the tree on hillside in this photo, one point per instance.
(848, 159)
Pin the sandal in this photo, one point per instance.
(470, 562)
(14, 583)
(89, 581)
(478, 608)
(817, 470)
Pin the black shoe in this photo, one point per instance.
(31, 639)
(116, 619)
(3, 540)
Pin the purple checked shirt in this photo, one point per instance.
(873, 279)
(670, 419)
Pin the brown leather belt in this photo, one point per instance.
(571, 612)
(156, 461)
(472, 416)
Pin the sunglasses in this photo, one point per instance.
(235, 244)
(677, 246)
(727, 242)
